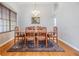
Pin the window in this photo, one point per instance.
(13, 20)
(7, 19)
(1, 22)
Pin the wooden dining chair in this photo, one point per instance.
(29, 35)
(53, 35)
(17, 32)
(42, 35)
(18, 35)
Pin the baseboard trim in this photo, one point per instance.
(6, 42)
(69, 45)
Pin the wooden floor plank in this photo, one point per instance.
(68, 51)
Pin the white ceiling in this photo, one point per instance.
(22, 3)
(32, 3)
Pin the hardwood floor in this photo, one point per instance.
(0, 50)
(68, 51)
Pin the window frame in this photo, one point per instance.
(8, 18)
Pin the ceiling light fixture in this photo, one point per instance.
(35, 12)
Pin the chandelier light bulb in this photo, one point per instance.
(35, 12)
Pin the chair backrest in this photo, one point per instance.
(39, 28)
(55, 31)
(31, 28)
(41, 31)
(29, 31)
(17, 31)
(16, 28)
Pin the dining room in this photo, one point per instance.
(39, 28)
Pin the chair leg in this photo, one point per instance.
(54, 39)
(25, 41)
(57, 40)
(18, 39)
(37, 43)
(46, 44)
(14, 40)
(34, 43)
(22, 38)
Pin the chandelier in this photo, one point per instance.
(35, 12)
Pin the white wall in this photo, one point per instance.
(46, 12)
(67, 19)
(68, 23)
(5, 37)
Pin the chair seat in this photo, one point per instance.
(30, 38)
(41, 37)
